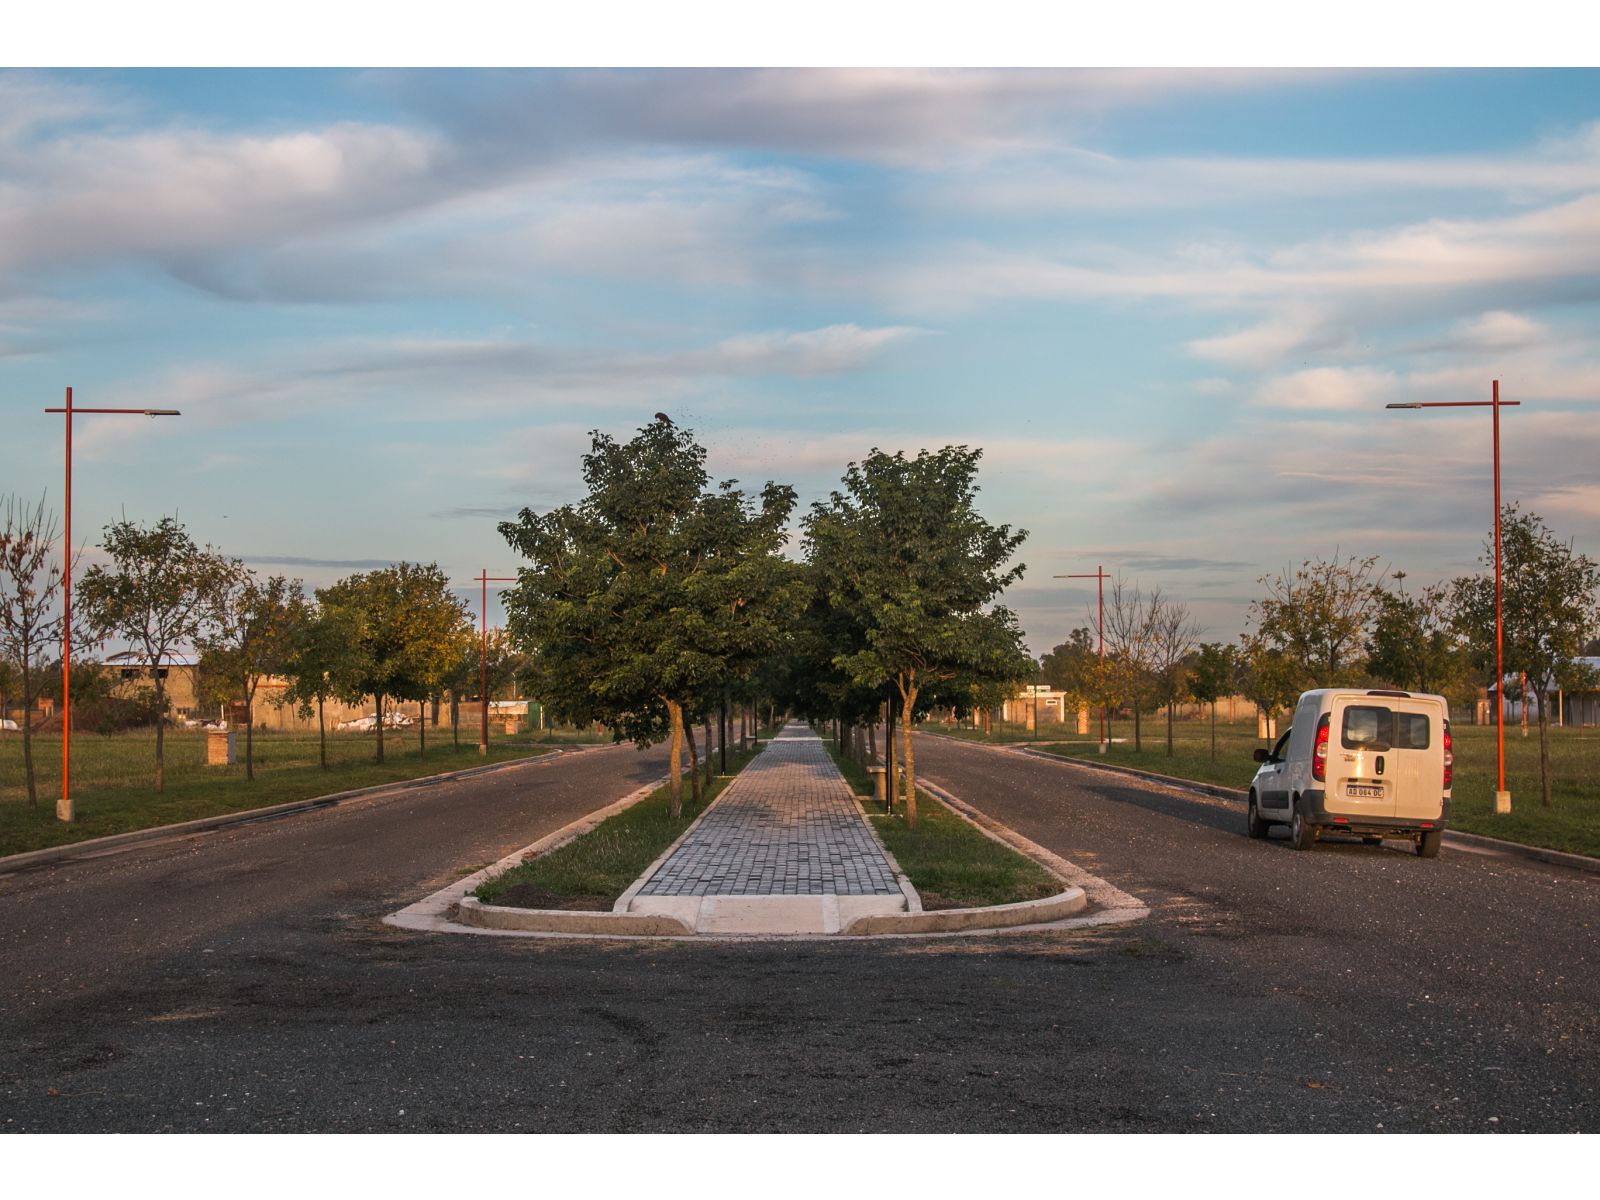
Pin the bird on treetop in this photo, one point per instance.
(664, 419)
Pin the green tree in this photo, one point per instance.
(159, 593)
(1317, 617)
(1070, 667)
(1413, 642)
(903, 550)
(31, 613)
(1549, 608)
(408, 619)
(651, 591)
(324, 663)
(1269, 676)
(254, 630)
(1215, 674)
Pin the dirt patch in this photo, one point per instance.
(527, 895)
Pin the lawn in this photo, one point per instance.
(593, 870)
(1572, 823)
(113, 777)
(951, 863)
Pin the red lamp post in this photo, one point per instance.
(64, 810)
(1502, 798)
(485, 579)
(1100, 621)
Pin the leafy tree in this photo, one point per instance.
(1317, 618)
(408, 620)
(324, 663)
(1214, 674)
(31, 613)
(649, 592)
(1549, 608)
(254, 632)
(1268, 676)
(159, 593)
(1413, 642)
(903, 551)
(1070, 667)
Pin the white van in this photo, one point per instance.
(1374, 764)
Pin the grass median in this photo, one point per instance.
(950, 862)
(590, 872)
(113, 788)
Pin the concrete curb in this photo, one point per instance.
(1452, 837)
(94, 847)
(472, 911)
(977, 920)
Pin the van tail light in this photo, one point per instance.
(1449, 757)
(1319, 752)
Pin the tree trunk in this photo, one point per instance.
(249, 733)
(379, 698)
(1544, 752)
(422, 729)
(455, 719)
(322, 737)
(1169, 728)
(705, 722)
(161, 745)
(743, 733)
(872, 743)
(910, 758)
(27, 728)
(1213, 731)
(1138, 745)
(891, 778)
(695, 788)
(675, 760)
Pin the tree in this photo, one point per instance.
(1127, 676)
(254, 631)
(324, 663)
(1549, 607)
(1268, 676)
(1317, 618)
(1215, 674)
(905, 553)
(1172, 634)
(1413, 643)
(1070, 667)
(31, 613)
(406, 634)
(159, 593)
(650, 591)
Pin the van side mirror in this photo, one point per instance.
(1263, 754)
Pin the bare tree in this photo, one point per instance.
(1126, 677)
(30, 607)
(1172, 634)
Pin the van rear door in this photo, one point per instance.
(1386, 757)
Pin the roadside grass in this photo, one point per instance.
(592, 870)
(951, 863)
(113, 777)
(1571, 823)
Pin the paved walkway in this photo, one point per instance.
(787, 826)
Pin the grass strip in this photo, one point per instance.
(103, 808)
(592, 870)
(950, 862)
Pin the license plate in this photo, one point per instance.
(1372, 791)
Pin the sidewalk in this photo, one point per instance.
(783, 850)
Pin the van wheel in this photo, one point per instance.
(1428, 844)
(1301, 832)
(1253, 824)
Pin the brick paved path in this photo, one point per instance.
(787, 826)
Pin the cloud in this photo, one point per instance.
(1328, 389)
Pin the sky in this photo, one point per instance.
(1169, 304)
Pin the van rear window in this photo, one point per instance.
(1374, 727)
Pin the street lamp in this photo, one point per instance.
(64, 805)
(486, 579)
(1100, 621)
(1502, 798)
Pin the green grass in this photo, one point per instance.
(592, 870)
(113, 777)
(1572, 823)
(949, 862)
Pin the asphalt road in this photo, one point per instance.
(243, 981)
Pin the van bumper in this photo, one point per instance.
(1317, 813)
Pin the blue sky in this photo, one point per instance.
(1170, 305)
